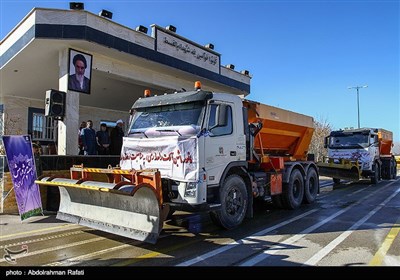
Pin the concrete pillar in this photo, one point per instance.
(68, 127)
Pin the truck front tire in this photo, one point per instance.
(234, 200)
(377, 174)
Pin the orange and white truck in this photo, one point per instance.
(354, 154)
(194, 151)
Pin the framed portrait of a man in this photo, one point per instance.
(79, 71)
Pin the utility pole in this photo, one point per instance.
(358, 101)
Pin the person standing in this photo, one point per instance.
(117, 135)
(103, 140)
(80, 143)
(89, 139)
(36, 154)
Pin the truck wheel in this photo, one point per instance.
(293, 191)
(377, 174)
(233, 195)
(386, 169)
(394, 169)
(311, 186)
(336, 181)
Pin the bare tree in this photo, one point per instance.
(396, 148)
(9, 125)
(322, 129)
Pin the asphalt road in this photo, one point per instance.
(351, 224)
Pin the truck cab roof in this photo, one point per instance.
(173, 98)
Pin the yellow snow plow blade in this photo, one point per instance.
(341, 169)
(130, 208)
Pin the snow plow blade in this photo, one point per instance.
(342, 169)
(124, 209)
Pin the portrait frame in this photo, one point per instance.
(73, 84)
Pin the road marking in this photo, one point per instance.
(154, 254)
(334, 243)
(29, 241)
(37, 230)
(326, 184)
(238, 242)
(344, 189)
(275, 249)
(59, 247)
(381, 253)
(79, 259)
(235, 243)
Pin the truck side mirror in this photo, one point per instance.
(374, 139)
(326, 142)
(221, 115)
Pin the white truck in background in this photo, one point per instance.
(354, 154)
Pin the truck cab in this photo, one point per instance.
(198, 133)
(216, 152)
(359, 153)
(361, 145)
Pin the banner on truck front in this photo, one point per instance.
(21, 164)
(175, 157)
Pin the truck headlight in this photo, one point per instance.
(191, 189)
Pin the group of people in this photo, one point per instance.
(101, 142)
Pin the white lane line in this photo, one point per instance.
(275, 249)
(326, 184)
(227, 246)
(58, 248)
(77, 260)
(62, 235)
(332, 245)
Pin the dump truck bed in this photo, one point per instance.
(284, 133)
(385, 141)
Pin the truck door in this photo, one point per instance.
(220, 145)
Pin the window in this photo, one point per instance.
(219, 130)
(41, 128)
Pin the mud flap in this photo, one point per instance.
(131, 211)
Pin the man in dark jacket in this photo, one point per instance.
(103, 140)
(117, 134)
(89, 139)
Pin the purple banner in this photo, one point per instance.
(23, 174)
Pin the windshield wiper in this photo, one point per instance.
(169, 130)
(135, 132)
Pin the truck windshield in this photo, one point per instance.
(349, 141)
(178, 119)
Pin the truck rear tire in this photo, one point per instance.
(234, 200)
(394, 169)
(294, 190)
(311, 186)
(377, 174)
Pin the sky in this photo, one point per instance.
(302, 55)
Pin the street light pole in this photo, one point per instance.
(358, 101)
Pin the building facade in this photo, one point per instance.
(120, 63)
